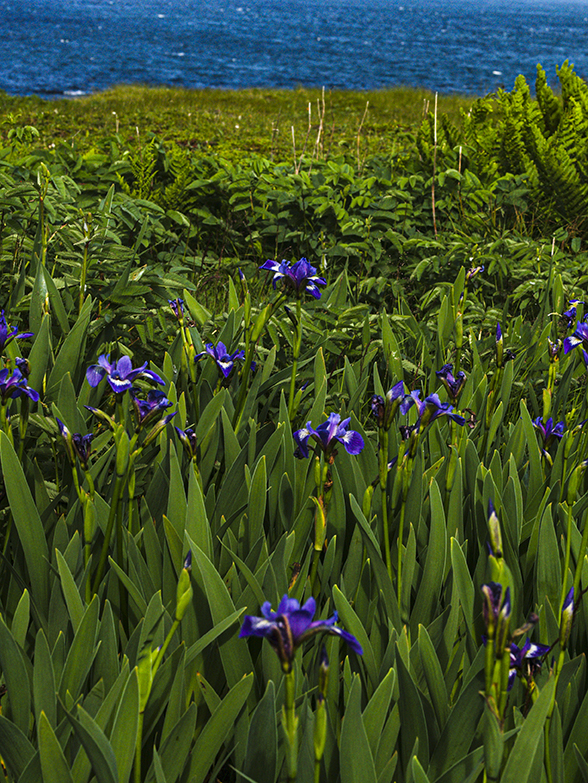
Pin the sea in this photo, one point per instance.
(56, 48)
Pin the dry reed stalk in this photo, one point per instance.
(367, 104)
(298, 166)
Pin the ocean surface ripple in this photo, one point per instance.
(70, 47)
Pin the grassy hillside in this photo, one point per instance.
(229, 121)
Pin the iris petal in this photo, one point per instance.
(353, 442)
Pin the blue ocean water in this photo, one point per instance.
(70, 47)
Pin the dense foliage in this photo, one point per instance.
(393, 431)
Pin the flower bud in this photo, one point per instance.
(320, 524)
(184, 592)
(67, 440)
(367, 501)
(157, 428)
(122, 450)
(567, 617)
(494, 528)
(317, 472)
(499, 345)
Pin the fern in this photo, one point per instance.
(175, 194)
(542, 139)
(551, 108)
(143, 168)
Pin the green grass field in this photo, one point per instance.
(232, 122)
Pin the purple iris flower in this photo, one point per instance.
(454, 385)
(492, 599)
(14, 385)
(327, 435)
(82, 446)
(570, 315)
(548, 430)
(221, 356)
(406, 430)
(496, 611)
(177, 305)
(470, 274)
(149, 409)
(525, 658)
(76, 444)
(553, 349)
(579, 337)
(189, 440)
(7, 336)
(290, 626)
(24, 366)
(301, 276)
(384, 409)
(430, 408)
(120, 374)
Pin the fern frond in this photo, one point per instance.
(551, 108)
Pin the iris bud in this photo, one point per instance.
(367, 501)
(184, 592)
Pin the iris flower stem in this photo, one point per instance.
(154, 667)
(566, 560)
(580, 560)
(547, 728)
(119, 409)
(197, 473)
(131, 482)
(491, 405)
(406, 469)
(164, 646)
(124, 607)
(316, 555)
(258, 327)
(88, 530)
(243, 387)
(83, 272)
(296, 355)
(5, 421)
(290, 726)
(504, 671)
(320, 520)
(489, 666)
(320, 735)
(459, 335)
(195, 397)
(383, 486)
(87, 503)
(90, 481)
(76, 480)
(131, 490)
(189, 353)
(22, 425)
(450, 475)
(118, 485)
